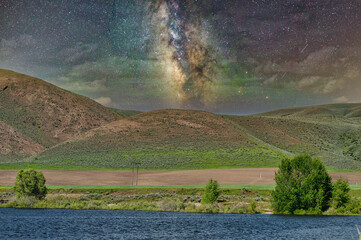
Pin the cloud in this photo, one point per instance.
(78, 52)
(106, 101)
(81, 85)
(321, 85)
(328, 71)
(342, 99)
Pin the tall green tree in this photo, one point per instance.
(302, 183)
(211, 192)
(30, 183)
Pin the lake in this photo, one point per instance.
(105, 224)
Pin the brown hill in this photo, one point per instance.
(162, 139)
(349, 110)
(181, 126)
(42, 115)
(14, 143)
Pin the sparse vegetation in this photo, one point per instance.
(147, 199)
(170, 198)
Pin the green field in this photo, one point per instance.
(154, 159)
(120, 187)
(124, 187)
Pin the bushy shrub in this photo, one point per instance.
(30, 183)
(171, 205)
(208, 208)
(301, 184)
(353, 206)
(340, 194)
(253, 207)
(22, 202)
(211, 192)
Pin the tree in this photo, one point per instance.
(30, 183)
(302, 183)
(340, 194)
(211, 192)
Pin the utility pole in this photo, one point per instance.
(137, 174)
(132, 173)
(135, 169)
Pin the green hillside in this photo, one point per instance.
(164, 139)
(43, 126)
(330, 132)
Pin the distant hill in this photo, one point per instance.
(349, 110)
(35, 115)
(125, 113)
(331, 132)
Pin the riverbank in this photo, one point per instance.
(145, 199)
(181, 199)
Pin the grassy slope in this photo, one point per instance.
(330, 132)
(44, 113)
(165, 139)
(185, 139)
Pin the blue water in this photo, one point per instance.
(104, 224)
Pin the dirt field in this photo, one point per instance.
(149, 178)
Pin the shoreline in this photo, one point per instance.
(145, 199)
(186, 200)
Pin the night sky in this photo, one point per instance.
(234, 56)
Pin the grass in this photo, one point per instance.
(152, 158)
(271, 186)
(21, 165)
(159, 198)
(332, 170)
(233, 199)
(119, 187)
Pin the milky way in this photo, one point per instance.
(183, 47)
(217, 55)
